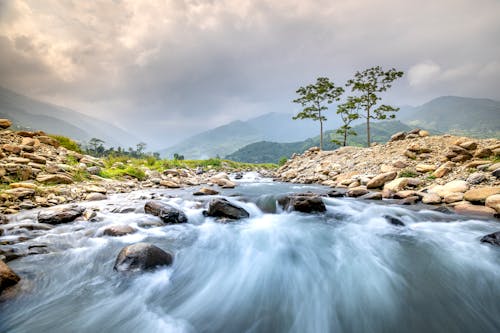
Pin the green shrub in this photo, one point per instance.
(67, 143)
(129, 170)
(282, 161)
(407, 173)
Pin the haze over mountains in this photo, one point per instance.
(26, 112)
(458, 115)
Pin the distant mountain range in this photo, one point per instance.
(272, 152)
(226, 139)
(457, 115)
(26, 112)
(477, 117)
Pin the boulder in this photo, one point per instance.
(222, 208)
(394, 220)
(118, 230)
(7, 277)
(398, 136)
(48, 141)
(141, 257)
(20, 192)
(396, 185)
(423, 133)
(453, 197)
(443, 170)
(165, 212)
(96, 189)
(483, 152)
(469, 209)
(206, 191)
(411, 200)
(5, 123)
(493, 201)
(496, 173)
(493, 239)
(381, 179)
(476, 178)
(480, 194)
(169, 184)
(404, 194)
(14, 149)
(372, 196)
(58, 215)
(461, 158)
(469, 145)
(95, 196)
(423, 168)
(357, 191)
(336, 193)
(431, 198)
(456, 186)
(302, 203)
(94, 170)
(35, 158)
(54, 179)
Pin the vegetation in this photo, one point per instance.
(67, 143)
(349, 112)
(407, 173)
(369, 84)
(313, 98)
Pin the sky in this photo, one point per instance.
(166, 69)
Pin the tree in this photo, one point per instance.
(178, 157)
(95, 146)
(140, 147)
(313, 98)
(348, 111)
(369, 83)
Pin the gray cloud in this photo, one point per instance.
(166, 69)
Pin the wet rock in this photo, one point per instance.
(302, 203)
(357, 191)
(372, 196)
(150, 224)
(394, 220)
(480, 194)
(380, 180)
(336, 193)
(222, 208)
(54, 179)
(469, 209)
(206, 191)
(58, 215)
(7, 276)
(412, 200)
(118, 230)
(165, 212)
(3, 219)
(89, 214)
(238, 175)
(141, 257)
(493, 239)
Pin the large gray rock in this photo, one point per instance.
(60, 215)
(165, 212)
(305, 203)
(493, 239)
(220, 207)
(142, 257)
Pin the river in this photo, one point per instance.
(347, 270)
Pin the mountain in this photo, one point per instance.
(272, 152)
(26, 112)
(228, 138)
(478, 117)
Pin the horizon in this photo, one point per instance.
(202, 65)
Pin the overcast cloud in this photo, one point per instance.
(167, 69)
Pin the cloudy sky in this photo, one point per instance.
(165, 69)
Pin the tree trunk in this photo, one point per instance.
(321, 134)
(345, 137)
(368, 139)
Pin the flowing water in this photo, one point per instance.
(348, 270)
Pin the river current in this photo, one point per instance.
(346, 270)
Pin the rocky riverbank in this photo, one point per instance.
(459, 172)
(36, 171)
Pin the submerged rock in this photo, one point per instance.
(60, 215)
(118, 230)
(304, 203)
(493, 239)
(165, 212)
(394, 220)
(222, 208)
(206, 191)
(7, 276)
(141, 257)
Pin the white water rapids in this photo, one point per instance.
(347, 270)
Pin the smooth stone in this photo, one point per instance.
(222, 208)
(165, 212)
(141, 257)
(469, 209)
(60, 215)
(394, 220)
(7, 276)
(493, 239)
(118, 230)
(205, 191)
(302, 203)
(480, 194)
(380, 180)
(493, 201)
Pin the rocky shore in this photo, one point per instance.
(459, 172)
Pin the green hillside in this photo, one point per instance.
(271, 152)
(477, 117)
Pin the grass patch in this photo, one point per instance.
(407, 173)
(131, 171)
(67, 143)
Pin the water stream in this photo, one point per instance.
(348, 270)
